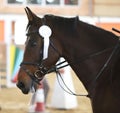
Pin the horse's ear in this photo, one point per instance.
(30, 15)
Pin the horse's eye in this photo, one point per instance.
(33, 44)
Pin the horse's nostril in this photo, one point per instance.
(20, 85)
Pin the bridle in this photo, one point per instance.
(42, 70)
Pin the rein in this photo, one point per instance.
(68, 90)
(80, 60)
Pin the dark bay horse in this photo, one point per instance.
(93, 54)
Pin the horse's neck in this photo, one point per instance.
(84, 73)
(80, 44)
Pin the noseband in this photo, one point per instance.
(34, 76)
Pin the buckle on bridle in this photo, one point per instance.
(37, 73)
(41, 71)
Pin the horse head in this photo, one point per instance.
(42, 51)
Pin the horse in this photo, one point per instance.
(92, 52)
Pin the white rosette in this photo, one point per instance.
(45, 31)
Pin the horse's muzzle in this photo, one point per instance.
(22, 87)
